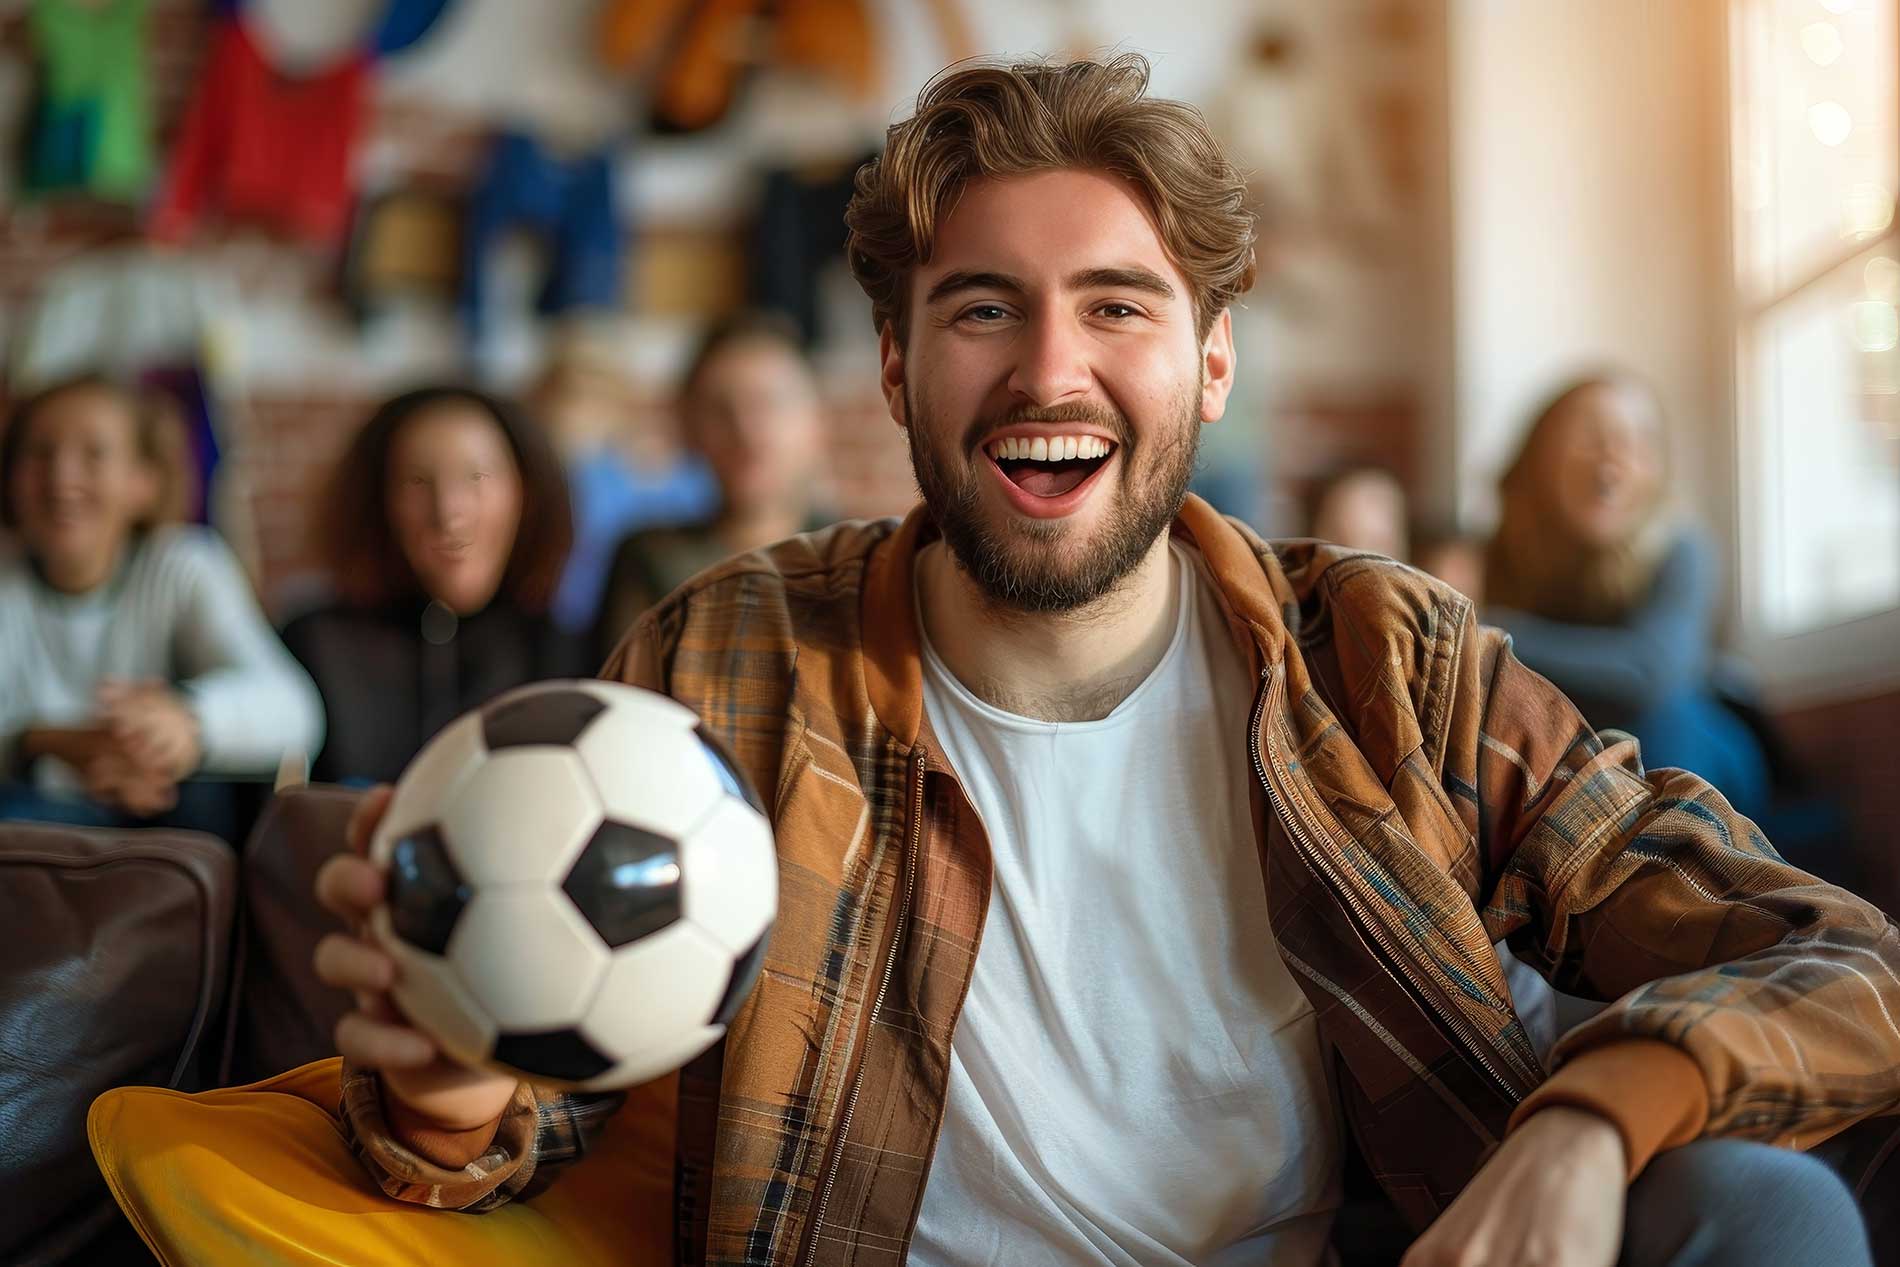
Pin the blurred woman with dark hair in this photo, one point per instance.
(445, 527)
(133, 653)
(1608, 597)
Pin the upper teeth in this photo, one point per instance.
(1051, 449)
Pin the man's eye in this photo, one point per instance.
(1117, 311)
(984, 313)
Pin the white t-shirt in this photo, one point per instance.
(1135, 1077)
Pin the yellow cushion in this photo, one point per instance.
(261, 1175)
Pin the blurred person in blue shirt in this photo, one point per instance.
(625, 468)
(751, 407)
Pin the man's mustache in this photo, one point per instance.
(1094, 415)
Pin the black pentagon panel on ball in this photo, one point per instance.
(557, 1053)
(731, 777)
(626, 882)
(426, 893)
(539, 717)
(745, 970)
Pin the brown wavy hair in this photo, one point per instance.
(359, 546)
(984, 118)
(1536, 562)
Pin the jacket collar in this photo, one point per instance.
(893, 655)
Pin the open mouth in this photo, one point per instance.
(1049, 467)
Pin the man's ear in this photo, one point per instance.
(1217, 367)
(890, 355)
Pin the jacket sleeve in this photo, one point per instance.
(1647, 889)
(538, 1134)
(542, 1131)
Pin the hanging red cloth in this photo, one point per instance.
(262, 145)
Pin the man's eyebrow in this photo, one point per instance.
(1133, 277)
(963, 279)
(1129, 277)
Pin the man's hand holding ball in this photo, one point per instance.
(414, 1071)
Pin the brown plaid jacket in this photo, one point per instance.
(1419, 796)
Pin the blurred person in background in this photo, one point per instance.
(446, 530)
(1609, 597)
(1453, 556)
(624, 471)
(751, 408)
(133, 653)
(1361, 508)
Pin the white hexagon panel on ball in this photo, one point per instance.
(647, 764)
(730, 867)
(522, 819)
(430, 780)
(528, 958)
(660, 991)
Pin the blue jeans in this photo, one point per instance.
(1731, 1203)
(204, 806)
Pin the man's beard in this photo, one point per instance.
(1021, 567)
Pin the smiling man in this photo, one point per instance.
(1131, 864)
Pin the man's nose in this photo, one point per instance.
(1052, 362)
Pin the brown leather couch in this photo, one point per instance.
(116, 960)
(146, 957)
(281, 1015)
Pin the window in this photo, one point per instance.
(1816, 166)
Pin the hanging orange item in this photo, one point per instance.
(829, 38)
(698, 52)
(632, 31)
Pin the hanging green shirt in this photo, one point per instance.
(93, 129)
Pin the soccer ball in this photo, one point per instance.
(580, 886)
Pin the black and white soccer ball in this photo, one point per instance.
(580, 885)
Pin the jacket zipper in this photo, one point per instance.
(1471, 1041)
(836, 1151)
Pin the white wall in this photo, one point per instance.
(1588, 223)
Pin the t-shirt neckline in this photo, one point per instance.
(1121, 714)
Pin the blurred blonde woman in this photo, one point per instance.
(1607, 595)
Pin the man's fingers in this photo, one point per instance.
(380, 1045)
(349, 887)
(368, 812)
(348, 964)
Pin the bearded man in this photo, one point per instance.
(1131, 865)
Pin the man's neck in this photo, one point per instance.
(1061, 667)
